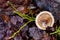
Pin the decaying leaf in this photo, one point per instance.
(23, 9)
(5, 18)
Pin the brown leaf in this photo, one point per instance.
(5, 18)
(1, 1)
(23, 9)
(5, 5)
(26, 2)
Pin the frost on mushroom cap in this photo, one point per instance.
(44, 19)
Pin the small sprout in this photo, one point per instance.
(44, 19)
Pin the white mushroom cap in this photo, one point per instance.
(44, 19)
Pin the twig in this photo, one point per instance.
(14, 34)
(21, 14)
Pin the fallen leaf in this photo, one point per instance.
(23, 9)
(5, 18)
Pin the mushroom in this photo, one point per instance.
(44, 19)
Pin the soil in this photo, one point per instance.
(10, 22)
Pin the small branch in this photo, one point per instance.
(55, 32)
(14, 34)
(21, 14)
(11, 5)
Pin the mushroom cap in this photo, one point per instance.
(44, 19)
